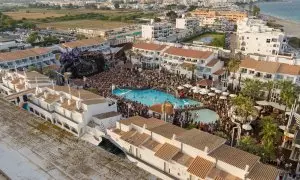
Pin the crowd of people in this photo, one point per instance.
(133, 77)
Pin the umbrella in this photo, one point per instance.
(180, 87)
(196, 91)
(225, 93)
(203, 92)
(187, 85)
(217, 91)
(195, 87)
(232, 95)
(247, 127)
(212, 88)
(258, 108)
(223, 97)
(211, 94)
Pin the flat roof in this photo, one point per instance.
(106, 115)
(152, 145)
(141, 121)
(188, 53)
(183, 159)
(83, 42)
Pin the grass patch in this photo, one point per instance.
(31, 15)
(218, 39)
(99, 24)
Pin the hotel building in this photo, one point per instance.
(156, 30)
(171, 152)
(187, 23)
(189, 62)
(266, 70)
(255, 37)
(229, 15)
(24, 58)
(85, 44)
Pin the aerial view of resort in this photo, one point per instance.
(149, 89)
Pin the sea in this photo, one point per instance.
(288, 10)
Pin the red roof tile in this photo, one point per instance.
(188, 53)
(149, 46)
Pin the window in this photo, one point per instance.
(278, 76)
(251, 72)
(244, 70)
(256, 38)
(268, 76)
(274, 40)
(268, 41)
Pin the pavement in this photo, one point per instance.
(31, 148)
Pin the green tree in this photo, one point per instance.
(251, 88)
(268, 86)
(32, 38)
(172, 15)
(288, 93)
(32, 68)
(270, 134)
(244, 107)
(255, 10)
(156, 19)
(249, 144)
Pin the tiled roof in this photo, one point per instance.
(106, 115)
(212, 63)
(137, 139)
(140, 121)
(188, 53)
(21, 54)
(200, 139)
(183, 159)
(83, 42)
(270, 67)
(152, 145)
(263, 172)
(167, 130)
(219, 72)
(200, 167)
(218, 174)
(128, 134)
(167, 152)
(205, 82)
(84, 94)
(149, 46)
(234, 156)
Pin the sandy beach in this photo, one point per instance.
(291, 28)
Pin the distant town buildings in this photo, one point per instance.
(213, 14)
(255, 37)
(156, 30)
(187, 23)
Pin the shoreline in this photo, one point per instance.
(290, 27)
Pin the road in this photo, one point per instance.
(31, 148)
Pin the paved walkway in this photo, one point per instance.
(31, 148)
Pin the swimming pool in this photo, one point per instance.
(204, 115)
(150, 97)
(206, 40)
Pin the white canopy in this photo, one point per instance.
(247, 127)
(225, 93)
(180, 87)
(212, 88)
(203, 92)
(195, 87)
(211, 94)
(187, 85)
(223, 97)
(232, 95)
(217, 91)
(196, 91)
(258, 107)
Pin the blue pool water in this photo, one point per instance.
(206, 40)
(150, 97)
(204, 115)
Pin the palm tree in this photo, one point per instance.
(288, 93)
(270, 134)
(268, 86)
(251, 88)
(244, 106)
(233, 66)
(247, 143)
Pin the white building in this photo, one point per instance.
(187, 23)
(86, 44)
(16, 82)
(255, 37)
(157, 30)
(25, 58)
(266, 70)
(171, 152)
